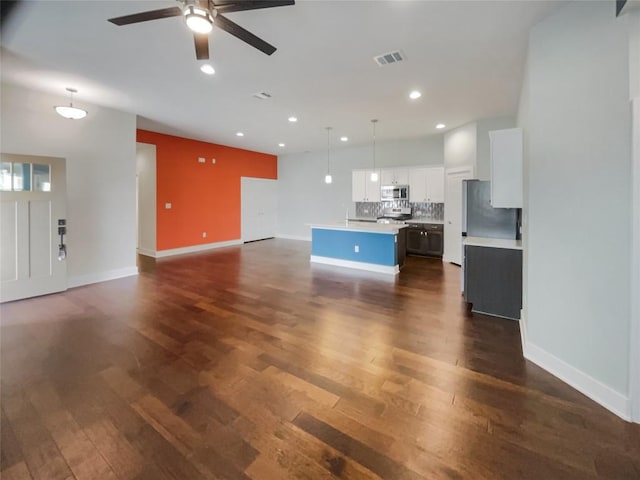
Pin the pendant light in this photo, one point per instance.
(327, 177)
(374, 173)
(71, 112)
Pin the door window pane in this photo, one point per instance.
(41, 178)
(5, 176)
(21, 177)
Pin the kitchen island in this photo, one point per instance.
(363, 245)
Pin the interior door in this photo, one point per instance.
(259, 204)
(32, 203)
(453, 213)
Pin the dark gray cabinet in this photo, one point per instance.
(493, 280)
(425, 239)
(401, 247)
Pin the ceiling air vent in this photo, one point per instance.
(261, 95)
(389, 58)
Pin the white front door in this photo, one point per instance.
(259, 206)
(32, 201)
(453, 213)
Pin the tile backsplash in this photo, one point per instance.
(434, 211)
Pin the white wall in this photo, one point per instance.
(101, 177)
(146, 175)
(304, 198)
(577, 121)
(460, 146)
(634, 94)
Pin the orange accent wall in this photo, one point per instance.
(205, 197)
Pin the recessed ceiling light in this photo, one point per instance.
(281, 144)
(239, 134)
(415, 94)
(293, 119)
(440, 125)
(344, 139)
(208, 69)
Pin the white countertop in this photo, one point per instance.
(493, 242)
(385, 228)
(425, 220)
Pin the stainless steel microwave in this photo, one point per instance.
(390, 193)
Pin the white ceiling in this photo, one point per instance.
(466, 57)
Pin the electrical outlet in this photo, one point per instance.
(167, 206)
(204, 234)
(356, 248)
(201, 160)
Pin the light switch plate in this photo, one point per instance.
(201, 160)
(167, 205)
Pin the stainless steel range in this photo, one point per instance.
(395, 215)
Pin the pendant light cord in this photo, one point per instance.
(374, 121)
(328, 150)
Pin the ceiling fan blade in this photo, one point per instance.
(223, 6)
(202, 46)
(244, 35)
(7, 8)
(146, 16)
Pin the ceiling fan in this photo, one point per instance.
(202, 15)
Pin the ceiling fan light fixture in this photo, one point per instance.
(198, 19)
(69, 111)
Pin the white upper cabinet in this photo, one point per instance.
(506, 168)
(394, 176)
(372, 188)
(363, 189)
(435, 185)
(358, 186)
(426, 184)
(418, 184)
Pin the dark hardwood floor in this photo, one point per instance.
(247, 362)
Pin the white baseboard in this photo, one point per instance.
(90, 278)
(195, 248)
(370, 267)
(293, 237)
(523, 329)
(146, 252)
(594, 389)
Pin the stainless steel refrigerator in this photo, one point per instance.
(480, 219)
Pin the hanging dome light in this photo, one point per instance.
(71, 112)
(198, 19)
